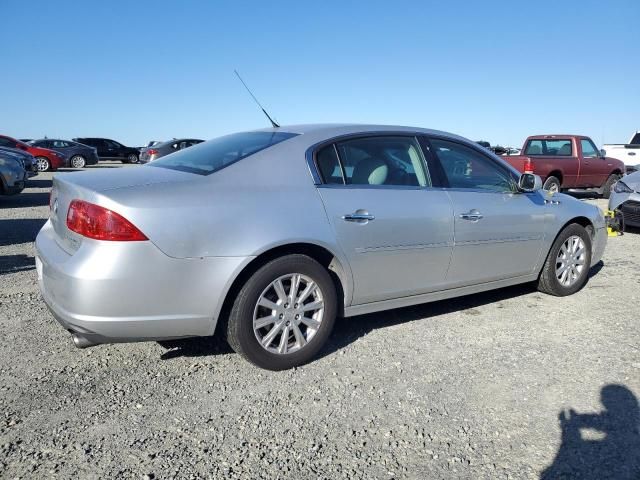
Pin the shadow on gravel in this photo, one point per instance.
(195, 347)
(16, 263)
(348, 330)
(612, 452)
(39, 183)
(24, 199)
(19, 230)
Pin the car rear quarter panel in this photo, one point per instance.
(241, 210)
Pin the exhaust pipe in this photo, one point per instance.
(82, 342)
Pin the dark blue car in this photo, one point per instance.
(76, 154)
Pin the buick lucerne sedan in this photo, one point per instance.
(266, 236)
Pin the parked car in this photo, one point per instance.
(149, 154)
(629, 153)
(12, 174)
(45, 159)
(28, 160)
(568, 161)
(625, 199)
(111, 150)
(272, 233)
(76, 154)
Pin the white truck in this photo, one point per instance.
(629, 153)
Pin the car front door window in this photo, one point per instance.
(468, 169)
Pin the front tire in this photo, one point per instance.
(608, 185)
(283, 314)
(132, 158)
(552, 185)
(566, 269)
(43, 164)
(78, 161)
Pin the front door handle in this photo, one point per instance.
(473, 215)
(359, 216)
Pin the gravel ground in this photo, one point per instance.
(507, 384)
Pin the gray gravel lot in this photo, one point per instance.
(466, 388)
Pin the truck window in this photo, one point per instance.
(588, 148)
(556, 148)
(636, 139)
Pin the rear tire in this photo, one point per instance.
(558, 282)
(293, 333)
(552, 185)
(608, 185)
(78, 161)
(132, 158)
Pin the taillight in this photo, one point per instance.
(99, 223)
(528, 166)
(152, 151)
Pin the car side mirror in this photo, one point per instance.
(603, 153)
(528, 182)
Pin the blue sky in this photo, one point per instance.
(492, 70)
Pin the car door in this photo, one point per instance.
(498, 231)
(115, 150)
(394, 228)
(595, 169)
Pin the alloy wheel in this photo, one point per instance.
(288, 313)
(570, 262)
(42, 164)
(77, 161)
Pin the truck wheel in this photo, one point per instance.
(567, 266)
(606, 188)
(552, 185)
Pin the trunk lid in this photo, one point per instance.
(89, 185)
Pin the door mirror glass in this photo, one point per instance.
(603, 152)
(528, 182)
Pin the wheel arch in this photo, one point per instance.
(580, 220)
(557, 174)
(337, 268)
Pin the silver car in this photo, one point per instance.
(268, 235)
(625, 199)
(160, 149)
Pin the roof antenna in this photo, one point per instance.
(273, 124)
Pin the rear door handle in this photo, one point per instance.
(360, 216)
(473, 215)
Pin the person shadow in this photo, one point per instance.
(616, 454)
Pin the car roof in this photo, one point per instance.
(556, 135)
(346, 128)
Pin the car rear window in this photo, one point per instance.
(209, 157)
(555, 147)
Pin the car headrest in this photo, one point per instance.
(370, 171)
(565, 149)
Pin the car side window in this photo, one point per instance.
(4, 142)
(588, 148)
(467, 168)
(375, 161)
(329, 166)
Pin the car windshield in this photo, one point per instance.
(216, 154)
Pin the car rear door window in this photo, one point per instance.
(329, 165)
(467, 168)
(374, 161)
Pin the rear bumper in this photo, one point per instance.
(110, 292)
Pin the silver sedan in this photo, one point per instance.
(267, 236)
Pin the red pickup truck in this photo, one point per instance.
(568, 161)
